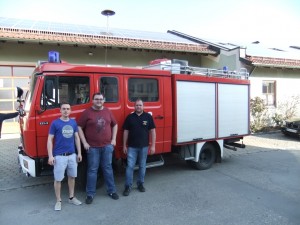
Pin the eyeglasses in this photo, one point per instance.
(98, 99)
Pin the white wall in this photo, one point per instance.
(287, 85)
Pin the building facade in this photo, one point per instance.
(274, 77)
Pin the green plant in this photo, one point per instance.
(277, 118)
(286, 110)
(259, 118)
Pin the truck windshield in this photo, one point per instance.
(70, 89)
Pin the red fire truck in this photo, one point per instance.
(197, 111)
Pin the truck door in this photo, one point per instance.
(150, 90)
(110, 86)
(71, 88)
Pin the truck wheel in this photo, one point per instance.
(207, 157)
(119, 166)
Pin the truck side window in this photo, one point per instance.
(143, 88)
(69, 89)
(73, 90)
(109, 88)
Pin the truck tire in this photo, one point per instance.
(119, 166)
(207, 157)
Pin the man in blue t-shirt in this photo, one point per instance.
(136, 131)
(64, 133)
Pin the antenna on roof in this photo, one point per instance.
(107, 13)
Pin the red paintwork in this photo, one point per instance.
(35, 135)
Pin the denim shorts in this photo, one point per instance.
(63, 163)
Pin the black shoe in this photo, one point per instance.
(114, 196)
(141, 188)
(126, 191)
(89, 200)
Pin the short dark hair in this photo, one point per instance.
(98, 93)
(64, 103)
(138, 100)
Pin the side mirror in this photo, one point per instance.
(19, 92)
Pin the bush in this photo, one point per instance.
(278, 119)
(259, 117)
(261, 120)
(286, 110)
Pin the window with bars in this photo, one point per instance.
(269, 92)
(12, 76)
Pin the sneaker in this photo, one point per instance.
(89, 200)
(57, 206)
(126, 191)
(114, 196)
(75, 201)
(141, 188)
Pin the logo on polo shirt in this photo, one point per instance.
(145, 122)
(67, 131)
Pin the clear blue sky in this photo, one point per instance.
(272, 22)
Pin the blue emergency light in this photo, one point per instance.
(53, 57)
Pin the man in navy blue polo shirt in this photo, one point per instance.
(137, 127)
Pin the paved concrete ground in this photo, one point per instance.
(11, 178)
(256, 185)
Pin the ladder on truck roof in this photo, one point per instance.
(177, 68)
(241, 74)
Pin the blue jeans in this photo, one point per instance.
(100, 156)
(132, 155)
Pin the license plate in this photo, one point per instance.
(291, 130)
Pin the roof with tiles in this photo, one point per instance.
(72, 34)
(263, 56)
(32, 31)
(256, 54)
(273, 62)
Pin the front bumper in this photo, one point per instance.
(27, 164)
